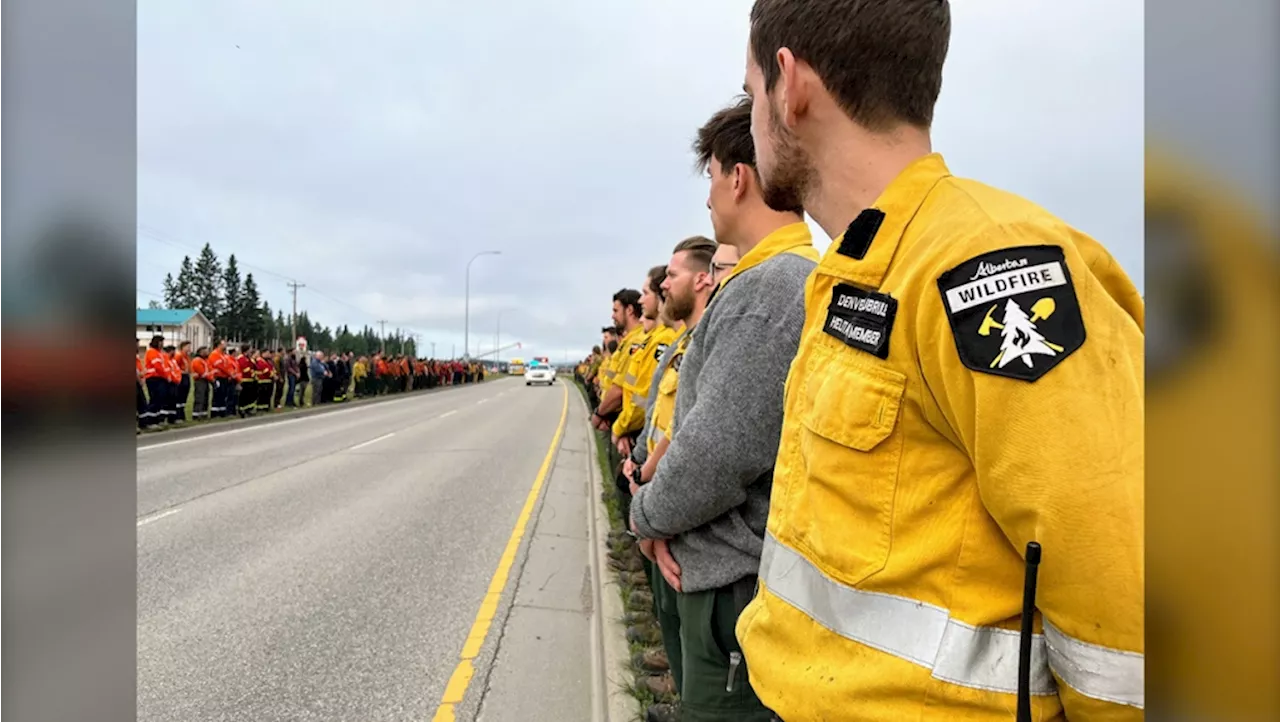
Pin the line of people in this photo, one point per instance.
(227, 382)
(834, 467)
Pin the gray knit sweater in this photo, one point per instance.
(710, 493)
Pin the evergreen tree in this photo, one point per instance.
(270, 338)
(232, 301)
(170, 292)
(153, 304)
(184, 291)
(206, 284)
(251, 311)
(282, 330)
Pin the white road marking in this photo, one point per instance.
(158, 517)
(372, 441)
(447, 413)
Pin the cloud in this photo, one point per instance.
(369, 150)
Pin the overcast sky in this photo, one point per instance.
(369, 149)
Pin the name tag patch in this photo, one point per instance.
(861, 319)
(1013, 312)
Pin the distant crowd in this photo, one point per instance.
(176, 385)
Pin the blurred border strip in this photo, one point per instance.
(68, 534)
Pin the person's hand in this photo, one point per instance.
(624, 446)
(635, 488)
(646, 548)
(666, 563)
(628, 468)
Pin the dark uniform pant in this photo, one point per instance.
(200, 403)
(142, 406)
(157, 397)
(248, 400)
(265, 390)
(715, 687)
(666, 610)
(222, 397)
(277, 392)
(181, 393)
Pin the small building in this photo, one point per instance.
(176, 325)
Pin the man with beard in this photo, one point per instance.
(710, 491)
(687, 287)
(248, 397)
(626, 319)
(635, 387)
(923, 449)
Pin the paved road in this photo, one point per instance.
(331, 567)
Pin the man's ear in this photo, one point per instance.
(795, 86)
(741, 176)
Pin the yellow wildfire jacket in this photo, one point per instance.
(635, 393)
(664, 406)
(636, 353)
(970, 378)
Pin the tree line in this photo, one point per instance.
(239, 314)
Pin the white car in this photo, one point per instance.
(539, 375)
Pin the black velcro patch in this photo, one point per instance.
(859, 235)
(1013, 312)
(861, 319)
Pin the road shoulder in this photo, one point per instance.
(545, 658)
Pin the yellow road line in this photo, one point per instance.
(462, 674)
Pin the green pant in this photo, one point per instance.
(715, 687)
(666, 610)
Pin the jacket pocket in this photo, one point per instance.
(851, 447)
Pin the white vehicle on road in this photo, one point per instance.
(539, 372)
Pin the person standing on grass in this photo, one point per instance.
(291, 373)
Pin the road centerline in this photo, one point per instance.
(460, 680)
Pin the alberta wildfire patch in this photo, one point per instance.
(1013, 312)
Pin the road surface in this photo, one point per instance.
(332, 567)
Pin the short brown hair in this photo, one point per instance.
(657, 275)
(701, 250)
(880, 59)
(727, 138)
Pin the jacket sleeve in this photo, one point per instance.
(717, 455)
(1059, 461)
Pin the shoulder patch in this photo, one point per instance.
(1013, 312)
(659, 350)
(861, 319)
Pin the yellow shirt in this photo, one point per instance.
(635, 385)
(944, 409)
(664, 406)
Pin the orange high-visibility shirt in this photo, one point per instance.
(154, 365)
(217, 364)
(183, 361)
(199, 368)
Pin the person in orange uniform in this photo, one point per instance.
(264, 373)
(201, 375)
(174, 377)
(969, 380)
(220, 378)
(248, 400)
(142, 394)
(183, 359)
(155, 374)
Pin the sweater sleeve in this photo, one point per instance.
(717, 455)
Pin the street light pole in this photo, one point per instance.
(466, 332)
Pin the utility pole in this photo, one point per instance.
(497, 337)
(433, 349)
(382, 338)
(466, 329)
(293, 323)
